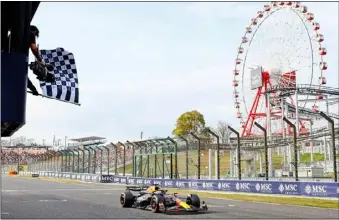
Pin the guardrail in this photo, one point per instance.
(288, 188)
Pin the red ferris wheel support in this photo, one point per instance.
(287, 79)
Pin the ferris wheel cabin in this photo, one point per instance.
(322, 51)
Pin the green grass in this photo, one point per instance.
(306, 157)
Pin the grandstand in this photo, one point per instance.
(50, 158)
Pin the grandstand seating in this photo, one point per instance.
(24, 156)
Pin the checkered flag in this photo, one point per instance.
(65, 88)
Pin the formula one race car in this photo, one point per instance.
(159, 200)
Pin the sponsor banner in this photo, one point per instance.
(209, 185)
(244, 186)
(107, 178)
(132, 181)
(316, 189)
(196, 184)
(142, 181)
(157, 182)
(168, 183)
(116, 179)
(113, 179)
(123, 180)
(182, 184)
(287, 188)
(88, 178)
(97, 178)
(310, 189)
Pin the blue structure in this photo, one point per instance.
(15, 18)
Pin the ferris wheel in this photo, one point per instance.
(282, 47)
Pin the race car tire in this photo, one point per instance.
(193, 200)
(126, 199)
(155, 201)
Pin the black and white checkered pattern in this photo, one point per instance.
(65, 87)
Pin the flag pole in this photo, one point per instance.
(49, 97)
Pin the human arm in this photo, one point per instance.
(34, 48)
(32, 87)
(35, 51)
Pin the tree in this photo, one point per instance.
(223, 132)
(192, 121)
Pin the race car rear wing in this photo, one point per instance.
(135, 188)
(138, 187)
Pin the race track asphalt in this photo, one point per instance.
(33, 198)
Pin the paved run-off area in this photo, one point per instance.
(33, 198)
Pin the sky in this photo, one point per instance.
(141, 65)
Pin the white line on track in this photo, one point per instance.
(40, 190)
(214, 206)
(13, 190)
(46, 200)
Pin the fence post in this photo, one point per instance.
(186, 142)
(108, 158)
(330, 120)
(115, 159)
(199, 152)
(266, 147)
(295, 147)
(218, 151)
(133, 159)
(238, 149)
